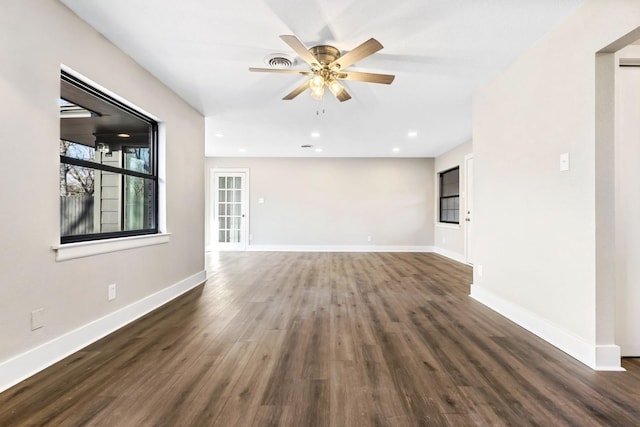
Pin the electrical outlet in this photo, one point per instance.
(37, 319)
(368, 238)
(112, 292)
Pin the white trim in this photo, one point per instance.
(468, 177)
(162, 177)
(596, 357)
(447, 225)
(24, 365)
(608, 358)
(338, 248)
(450, 254)
(68, 251)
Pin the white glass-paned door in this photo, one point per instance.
(230, 208)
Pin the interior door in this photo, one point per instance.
(468, 209)
(230, 211)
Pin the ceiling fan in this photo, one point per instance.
(328, 68)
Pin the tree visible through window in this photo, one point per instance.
(108, 171)
(450, 196)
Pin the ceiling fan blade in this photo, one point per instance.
(297, 91)
(367, 48)
(279, 71)
(366, 77)
(338, 90)
(299, 48)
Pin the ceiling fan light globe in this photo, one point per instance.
(335, 87)
(317, 93)
(316, 83)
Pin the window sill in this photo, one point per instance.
(69, 251)
(447, 225)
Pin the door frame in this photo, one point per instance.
(213, 208)
(468, 177)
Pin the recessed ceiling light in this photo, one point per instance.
(395, 149)
(219, 135)
(315, 134)
(242, 150)
(124, 135)
(318, 150)
(412, 134)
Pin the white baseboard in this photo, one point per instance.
(24, 365)
(608, 358)
(450, 254)
(338, 248)
(601, 358)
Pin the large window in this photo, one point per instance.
(108, 166)
(450, 196)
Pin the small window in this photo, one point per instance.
(108, 166)
(450, 196)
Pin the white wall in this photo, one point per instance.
(36, 37)
(337, 203)
(536, 226)
(449, 238)
(628, 205)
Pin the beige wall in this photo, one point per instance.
(449, 238)
(330, 202)
(36, 37)
(536, 226)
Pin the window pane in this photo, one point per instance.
(77, 151)
(76, 200)
(139, 209)
(449, 183)
(137, 159)
(94, 201)
(237, 182)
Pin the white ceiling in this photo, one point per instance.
(441, 51)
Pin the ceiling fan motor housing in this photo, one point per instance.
(325, 54)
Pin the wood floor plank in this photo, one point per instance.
(325, 339)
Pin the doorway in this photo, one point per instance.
(230, 209)
(627, 201)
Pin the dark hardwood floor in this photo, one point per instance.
(325, 339)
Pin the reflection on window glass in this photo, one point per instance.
(93, 201)
(108, 173)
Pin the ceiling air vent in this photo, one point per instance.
(280, 61)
